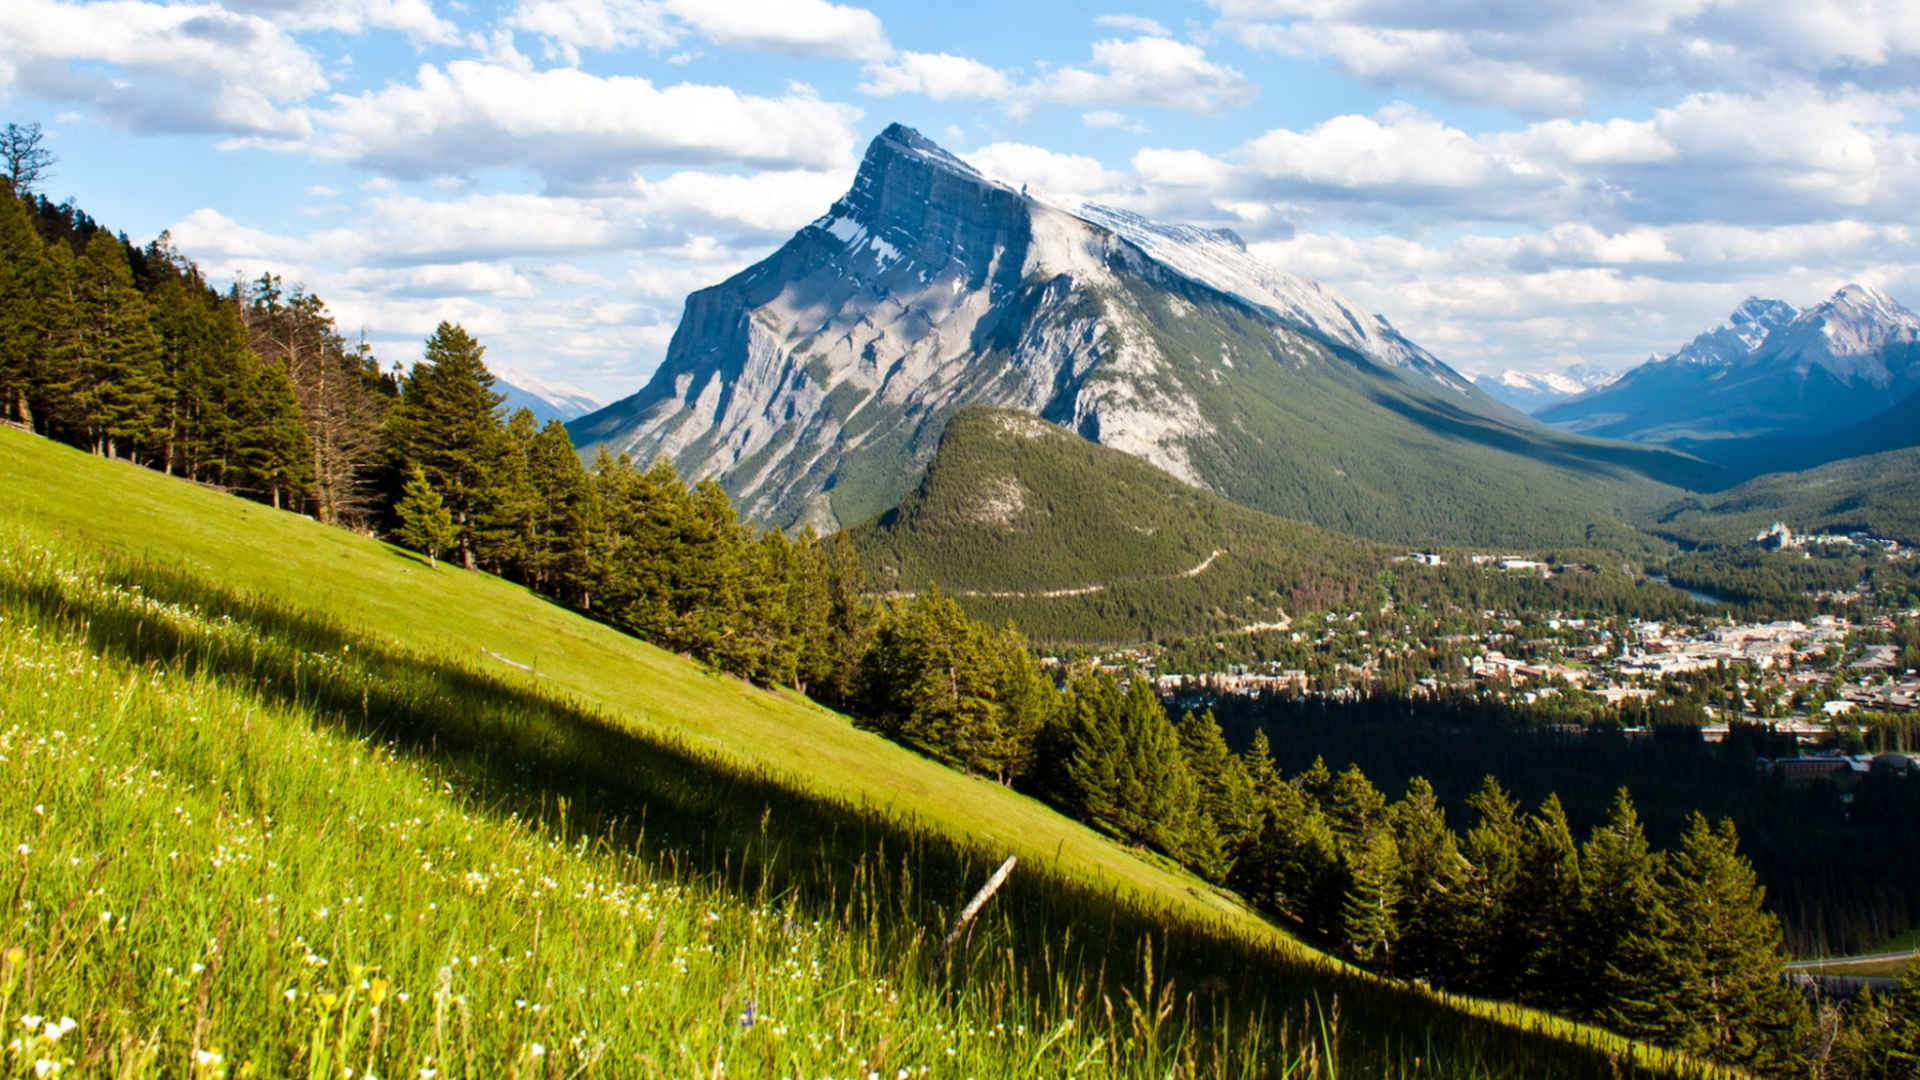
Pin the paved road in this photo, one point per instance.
(1834, 961)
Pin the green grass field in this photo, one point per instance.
(281, 803)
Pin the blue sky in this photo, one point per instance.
(1514, 183)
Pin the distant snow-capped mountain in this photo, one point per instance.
(1531, 391)
(1770, 369)
(547, 399)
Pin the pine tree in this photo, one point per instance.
(21, 255)
(561, 491)
(1618, 943)
(425, 523)
(1547, 903)
(1226, 794)
(447, 423)
(1295, 866)
(1488, 954)
(342, 396)
(1368, 913)
(1721, 955)
(504, 521)
(122, 389)
(1429, 872)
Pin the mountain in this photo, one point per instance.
(1877, 494)
(547, 400)
(1768, 371)
(816, 383)
(1074, 541)
(1531, 391)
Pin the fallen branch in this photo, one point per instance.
(967, 913)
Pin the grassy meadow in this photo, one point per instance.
(279, 802)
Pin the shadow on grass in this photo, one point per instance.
(525, 749)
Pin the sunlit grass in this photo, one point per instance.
(267, 816)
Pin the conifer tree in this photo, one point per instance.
(1429, 872)
(120, 391)
(1368, 912)
(425, 523)
(1226, 794)
(560, 515)
(341, 393)
(447, 423)
(1295, 866)
(1721, 957)
(1488, 955)
(504, 518)
(1547, 903)
(20, 273)
(1127, 770)
(1619, 937)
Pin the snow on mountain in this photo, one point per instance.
(1738, 338)
(1531, 391)
(1219, 258)
(1769, 369)
(547, 399)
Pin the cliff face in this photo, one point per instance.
(816, 383)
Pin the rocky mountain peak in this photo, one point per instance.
(815, 383)
(1850, 335)
(1739, 337)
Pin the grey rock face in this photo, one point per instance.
(816, 383)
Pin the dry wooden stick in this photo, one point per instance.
(967, 913)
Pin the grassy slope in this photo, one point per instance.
(120, 508)
(59, 496)
(1879, 494)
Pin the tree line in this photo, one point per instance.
(128, 352)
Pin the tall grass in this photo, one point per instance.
(253, 841)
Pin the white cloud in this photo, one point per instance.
(173, 67)
(940, 76)
(414, 18)
(1148, 71)
(791, 27)
(572, 127)
(1555, 58)
(569, 26)
(1154, 71)
(794, 27)
(1070, 175)
(1138, 24)
(1108, 118)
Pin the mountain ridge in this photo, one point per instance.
(815, 384)
(1769, 371)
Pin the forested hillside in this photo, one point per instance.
(1878, 494)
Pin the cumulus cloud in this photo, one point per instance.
(573, 128)
(791, 27)
(1070, 175)
(1556, 58)
(169, 67)
(1148, 71)
(940, 76)
(414, 18)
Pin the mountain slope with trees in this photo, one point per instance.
(1878, 494)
